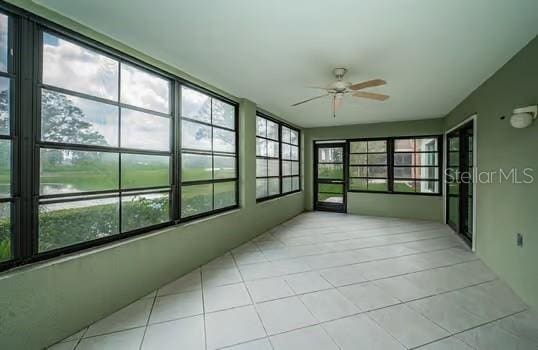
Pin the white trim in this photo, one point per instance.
(473, 118)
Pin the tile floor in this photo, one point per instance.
(328, 281)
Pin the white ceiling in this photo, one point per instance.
(432, 53)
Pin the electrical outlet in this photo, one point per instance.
(519, 239)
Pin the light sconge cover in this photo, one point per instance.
(523, 117)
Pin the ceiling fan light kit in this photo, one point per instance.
(340, 88)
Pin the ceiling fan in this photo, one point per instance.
(340, 88)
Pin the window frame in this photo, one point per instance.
(390, 164)
(25, 123)
(349, 164)
(280, 159)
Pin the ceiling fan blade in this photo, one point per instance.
(371, 95)
(368, 83)
(310, 99)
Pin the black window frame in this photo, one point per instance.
(25, 126)
(279, 158)
(390, 164)
(368, 165)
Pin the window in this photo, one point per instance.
(98, 146)
(208, 154)
(368, 165)
(395, 165)
(277, 159)
(7, 135)
(416, 165)
(105, 155)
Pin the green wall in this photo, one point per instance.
(45, 302)
(505, 208)
(380, 204)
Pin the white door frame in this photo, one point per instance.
(473, 118)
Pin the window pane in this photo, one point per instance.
(71, 119)
(377, 159)
(426, 159)
(261, 167)
(224, 167)
(4, 42)
(261, 188)
(195, 105)
(274, 186)
(358, 147)
(261, 147)
(330, 171)
(377, 185)
(145, 90)
(403, 159)
(358, 184)
(196, 167)
(4, 106)
(195, 136)
(68, 171)
(427, 186)
(294, 135)
(272, 130)
(358, 171)
(261, 127)
(407, 145)
(416, 172)
(286, 184)
(196, 199)
(358, 159)
(332, 193)
(426, 145)
(223, 114)
(377, 171)
(140, 170)
(273, 167)
(272, 149)
(404, 186)
(224, 194)
(223, 140)
(330, 155)
(377, 146)
(286, 134)
(5, 168)
(286, 168)
(144, 210)
(294, 153)
(144, 131)
(5, 231)
(286, 151)
(71, 66)
(295, 168)
(64, 224)
(295, 183)
(403, 172)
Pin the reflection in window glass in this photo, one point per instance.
(63, 224)
(4, 42)
(196, 199)
(261, 126)
(145, 90)
(286, 135)
(294, 135)
(73, 67)
(141, 170)
(75, 120)
(144, 131)
(195, 105)
(4, 106)
(5, 168)
(5, 231)
(224, 194)
(195, 136)
(272, 130)
(69, 171)
(195, 167)
(223, 114)
(142, 210)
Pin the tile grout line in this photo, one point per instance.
(203, 306)
(147, 321)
